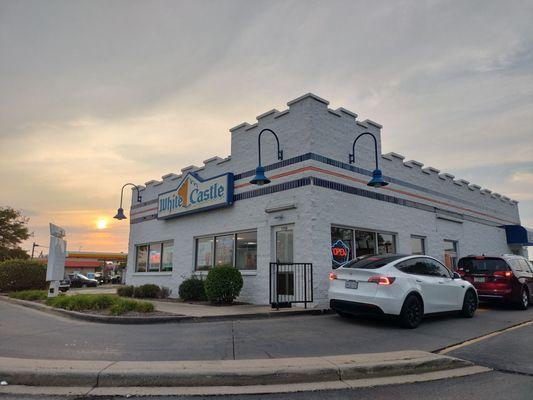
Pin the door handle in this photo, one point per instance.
(419, 281)
(441, 283)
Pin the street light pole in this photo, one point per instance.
(260, 178)
(120, 212)
(377, 177)
(34, 245)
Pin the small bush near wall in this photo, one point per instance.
(125, 291)
(16, 275)
(223, 284)
(192, 289)
(148, 291)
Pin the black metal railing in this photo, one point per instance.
(291, 283)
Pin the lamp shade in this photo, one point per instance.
(120, 214)
(260, 178)
(377, 179)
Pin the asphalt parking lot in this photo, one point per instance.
(23, 333)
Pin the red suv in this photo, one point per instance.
(508, 278)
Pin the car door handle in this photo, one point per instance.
(419, 281)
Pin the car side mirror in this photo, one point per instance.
(455, 275)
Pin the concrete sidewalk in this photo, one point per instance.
(68, 373)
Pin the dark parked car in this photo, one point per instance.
(507, 278)
(79, 280)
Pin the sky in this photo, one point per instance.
(94, 94)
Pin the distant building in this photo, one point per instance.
(85, 262)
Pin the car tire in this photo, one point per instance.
(412, 312)
(524, 299)
(84, 285)
(343, 314)
(469, 304)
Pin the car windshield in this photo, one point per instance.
(483, 264)
(372, 262)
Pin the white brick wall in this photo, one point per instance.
(310, 126)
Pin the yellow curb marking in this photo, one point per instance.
(484, 337)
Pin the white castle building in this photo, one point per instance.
(317, 208)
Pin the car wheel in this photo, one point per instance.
(469, 304)
(343, 314)
(412, 312)
(84, 285)
(524, 299)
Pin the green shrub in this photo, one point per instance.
(82, 302)
(223, 284)
(165, 292)
(17, 275)
(125, 291)
(148, 291)
(29, 295)
(97, 302)
(192, 289)
(122, 306)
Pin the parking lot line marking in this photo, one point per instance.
(447, 350)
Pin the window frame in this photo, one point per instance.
(423, 241)
(213, 238)
(353, 243)
(147, 260)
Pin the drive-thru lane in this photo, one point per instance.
(29, 333)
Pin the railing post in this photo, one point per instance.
(305, 285)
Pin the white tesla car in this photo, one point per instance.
(405, 286)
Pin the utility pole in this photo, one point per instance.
(33, 249)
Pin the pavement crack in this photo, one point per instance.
(100, 372)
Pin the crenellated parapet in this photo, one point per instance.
(310, 125)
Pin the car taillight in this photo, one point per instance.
(332, 276)
(381, 280)
(503, 274)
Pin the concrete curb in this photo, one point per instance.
(109, 319)
(31, 372)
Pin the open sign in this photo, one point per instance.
(340, 252)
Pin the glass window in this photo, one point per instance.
(142, 258)
(204, 253)
(386, 243)
(168, 252)
(341, 245)
(224, 250)
(372, 262)
(364, 243)
(418, 245)
(483, 265)
(246, 251)
(411, 266)
(435, 268)
(284, 248)
(155, 257)
(450, 254)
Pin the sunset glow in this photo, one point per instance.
(101, 223)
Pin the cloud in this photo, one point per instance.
(95, 96)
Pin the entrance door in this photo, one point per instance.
(284, 254)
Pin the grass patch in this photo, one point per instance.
(31, 295)
(100, 302)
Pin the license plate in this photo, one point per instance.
(479, 279)
(351, 284)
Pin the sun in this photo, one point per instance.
(101, 223)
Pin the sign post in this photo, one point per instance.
(56, 259)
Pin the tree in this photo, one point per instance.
(13, 230)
